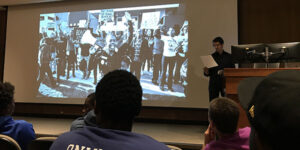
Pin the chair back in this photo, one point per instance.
(41, 143)
(173, 147)
(8, 143)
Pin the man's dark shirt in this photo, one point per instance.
(223, 60)
(94, 138)
(88, 120)
(216, 81)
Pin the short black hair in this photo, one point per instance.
(92, 98)
(7, 91)
(90, 101)
(224, 113)
(119, 95)
(218, 39)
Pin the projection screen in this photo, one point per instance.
(57, 52)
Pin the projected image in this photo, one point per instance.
(77, 48)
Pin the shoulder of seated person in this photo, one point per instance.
(79, 119)
(24, 127)
(245, 130)
(23, 123)
(213, 145)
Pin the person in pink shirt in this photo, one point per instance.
(222, 132)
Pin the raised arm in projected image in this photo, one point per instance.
(78, 48)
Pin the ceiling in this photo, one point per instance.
(21, 2)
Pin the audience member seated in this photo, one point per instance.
(222, 133)
(89, 117)
(272, 105)
(19, 130)
(118, 101)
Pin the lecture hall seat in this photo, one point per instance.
(8, 143)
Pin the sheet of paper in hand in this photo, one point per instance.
(208, 61)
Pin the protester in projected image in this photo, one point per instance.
(139, 45)
(168, 60)
(147, 56)
(44, 63)
(111, 49)
(85, 53)
(158, 48)
(71, 55)
(82, 51)
(61, 54)
(93, 63)
(76, 49)
(182, 51)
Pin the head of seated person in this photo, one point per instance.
(118, 101)
(223, 132)
(89, 117)
(19, 130)
(7, 104)
(89, 103)
(223, 115)
(273, 108)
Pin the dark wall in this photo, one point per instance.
(268, 21)
(3, 21)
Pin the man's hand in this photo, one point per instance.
(209, 135)
(205, 70)
(220, 72)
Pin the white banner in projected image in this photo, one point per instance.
(78, 48)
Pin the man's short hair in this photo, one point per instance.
(89, 103)
(224, 113)
(218, 39)
(7, 91)
(91, 99)
(119, 95)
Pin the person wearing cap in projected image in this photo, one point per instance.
(273, 108)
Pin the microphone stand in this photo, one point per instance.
(267, 54)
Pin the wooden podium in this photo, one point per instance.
(233, 78)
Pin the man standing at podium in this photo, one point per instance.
(217, 80)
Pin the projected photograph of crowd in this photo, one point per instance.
(77, 48)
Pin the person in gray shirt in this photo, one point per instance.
(158, 49)
(89, 117)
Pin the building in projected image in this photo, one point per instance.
(78, 48)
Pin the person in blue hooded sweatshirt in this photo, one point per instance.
(19, 130)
